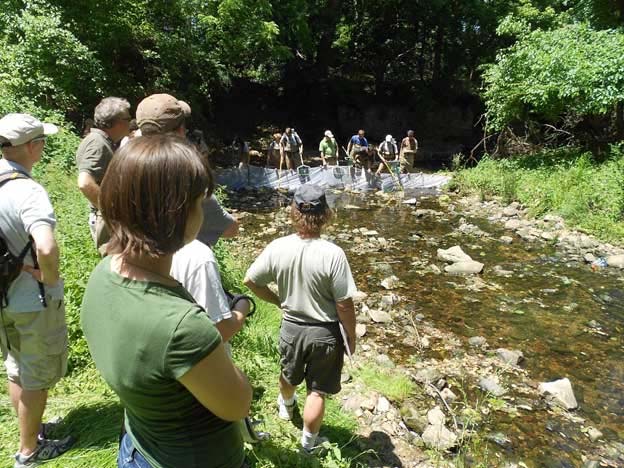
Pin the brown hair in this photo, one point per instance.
(147, 194)
(309, 224)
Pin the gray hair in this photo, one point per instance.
(108, 110)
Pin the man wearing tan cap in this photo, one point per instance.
(111, 124)
(162, 113)
(33, 332)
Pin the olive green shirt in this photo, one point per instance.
(143, 337)
(94, 154)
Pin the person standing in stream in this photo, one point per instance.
(315, 290)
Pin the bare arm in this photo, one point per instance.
(263, 292)
(229, 327)
(346, 315)
(89, 188)
(219, 386)
(232, 230)
(47, 255)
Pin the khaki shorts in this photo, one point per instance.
(35, 355)
(99, 231)
(313, 352)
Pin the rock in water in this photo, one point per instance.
(390, 282)
(464, 268)
(453, 255)
(439, 437)
(561, 392)
(506, 239)
(508, 356)
(379, 316)
(512, 224)
(616, 261)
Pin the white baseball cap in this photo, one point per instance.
(17, 129)
(388, 137)
(329, 134)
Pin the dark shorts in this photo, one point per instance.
(313, 352)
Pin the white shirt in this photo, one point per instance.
(196, 267)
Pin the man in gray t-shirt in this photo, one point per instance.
(315, 287)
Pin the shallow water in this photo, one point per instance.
(543, 309)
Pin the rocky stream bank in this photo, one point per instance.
(485, 338)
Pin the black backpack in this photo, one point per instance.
(10, 265)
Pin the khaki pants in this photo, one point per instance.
(34, 345)
(407, 161)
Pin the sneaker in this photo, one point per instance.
(286, 411)
(46, 450)
(49, 428)
(320, 447)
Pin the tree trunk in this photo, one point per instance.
(619, 121)
(437, 54)
(328, 21)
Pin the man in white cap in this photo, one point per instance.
(315, 290)
(329, 149)
(388, 151)
(33, 332)
(111, 125)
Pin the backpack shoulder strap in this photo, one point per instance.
(12, 175)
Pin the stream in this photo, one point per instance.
(566, 318)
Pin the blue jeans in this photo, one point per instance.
(129, 457)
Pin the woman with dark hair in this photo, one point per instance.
(155, 347)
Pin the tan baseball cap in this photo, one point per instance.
(18, 129)
(163, 111)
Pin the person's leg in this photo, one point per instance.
(313, 412)
(286, 389)
(31, 406)
(15, 392)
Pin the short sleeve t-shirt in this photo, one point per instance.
(216, 221)
(195, 266)
(94, 155)
(361, 141)
(329, 148)
(24, 206)
(143, 336)
(311, 276)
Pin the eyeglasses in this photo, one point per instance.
(38, 139)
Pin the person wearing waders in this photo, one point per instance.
(407, 152)
(315, 290)
(328, 149)
(291, 148)
(389, 152)
(358, 149)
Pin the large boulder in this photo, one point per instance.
(509, 356)
(615, 261)
(561, 392)
(453, 255)
(469, 267)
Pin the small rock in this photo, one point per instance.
(589, 257)
(500, 271)
(410, 201)
(477, 341)
(352, 403)
(359, 297)
(616, 261)
(389, 300)
(513, 224)
(368, 403)
(448, 395)
(508, 356)
(379, 316)
(464, 268)
(429, 375)
(491, 385)
(499, 439)
(414, 420)
(384, 360)
(345, 377)
(510, 211)
(434, 269)
(436, 416)
(593, 434)
(506, 239)
(390, 282)
(561, 391)
(360, 330)
(453, 255)
(547, 235)
(439, 437)
(383, 405)
(425, 342)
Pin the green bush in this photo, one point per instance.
(587, 194)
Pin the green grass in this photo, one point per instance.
(92, 412)
(589, 195)
(396, 387)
